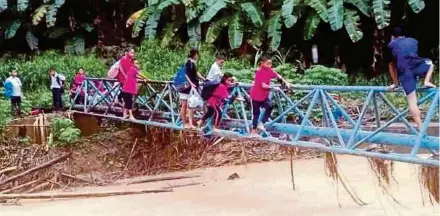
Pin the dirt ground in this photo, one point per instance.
(262, 189)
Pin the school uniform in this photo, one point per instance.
(260, 96)
(16, 94)
(56, 85)
(409, 65)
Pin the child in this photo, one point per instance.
(78, 80)
(216, 100)
(129, 90)
(260, 93)
(406, 67)
(16, 92)
(57, 85)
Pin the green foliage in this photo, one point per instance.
(151, 25)
(5, 112)
(274, 30)
(321, 75)
(311, 25)
(212, 10)
(140, 22)
(214, 30)
(63, 132)
(3, 5)
(235, 32)
(362, 5)
(34, 71)
(320, 8)
(12, 30)
(39, 14)
(253, 12)
(22, 5)
(31, 40)
(336, 14)
(351, 22)
(416, 5)
(286, 12)
(381, 12)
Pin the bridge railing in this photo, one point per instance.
(303, 116)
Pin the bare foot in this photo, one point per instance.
(429, 85)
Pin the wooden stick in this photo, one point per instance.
(79, 179)
(38, 187)
(18, 187)
(45, 165)
(8, 169)
(162, 179)
(77, 195)
(131, 153)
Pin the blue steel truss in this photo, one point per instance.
(307, 116)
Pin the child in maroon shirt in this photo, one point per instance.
(216, 100)
(260, 93)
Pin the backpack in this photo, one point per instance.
(208, 90)
(180, 82)
(114, 70)
(8, 90)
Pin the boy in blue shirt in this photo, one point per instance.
(406, 67)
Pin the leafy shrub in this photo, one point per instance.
(34, 71)
(63, 132)
(321, 75)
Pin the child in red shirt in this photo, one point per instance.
(260, 93)
(216, 100)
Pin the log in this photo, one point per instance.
(162, 179)
(8, 169)
(45, 165)
(79, 195)
(18, 187)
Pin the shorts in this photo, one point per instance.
(183, 96)
(409, 79)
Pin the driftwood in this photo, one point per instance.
(79, 179)
(79, 195)
(18, 187)
(8, 169)
(38, 187)
(162, 179)
(45, 165)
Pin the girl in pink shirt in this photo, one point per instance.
(216, 100)
(75, 87)
(260, 93)
(129, 90)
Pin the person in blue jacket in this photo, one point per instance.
(406, 67)
(14, 88)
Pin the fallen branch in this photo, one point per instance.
(8, 169)
(45, 165)
(18, 187)
(79, 179)
(38, 187)
(80, 195)
(162, 179)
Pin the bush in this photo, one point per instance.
(34, 71)
(63, 132)
(321, 75)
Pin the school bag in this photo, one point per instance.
(114, 70)
(180, 82)
(208, 89)
(8, 90)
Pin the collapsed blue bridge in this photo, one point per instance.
(307, 116)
